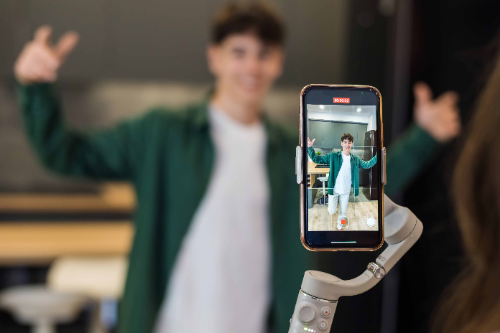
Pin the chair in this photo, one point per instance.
(324, 180)
(98, 278)
(40, 307)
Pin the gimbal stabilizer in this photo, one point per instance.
(320, 291)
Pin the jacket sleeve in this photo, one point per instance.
(368, 164)
(406, 157)
(325, 159)
(105, 154)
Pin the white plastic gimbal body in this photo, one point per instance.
(320, 291)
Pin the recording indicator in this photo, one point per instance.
(345, 100)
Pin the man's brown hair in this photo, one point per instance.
(347, 136)
(254, 17)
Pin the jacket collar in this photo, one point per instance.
(340, 153)
(200, 117)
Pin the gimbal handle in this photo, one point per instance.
(320, 291)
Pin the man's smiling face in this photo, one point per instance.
(245, 66)
(346, 145)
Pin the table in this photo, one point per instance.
(39, 243)
(113, 198)
(313, 171)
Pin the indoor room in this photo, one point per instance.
(147, 169)
(326, 124)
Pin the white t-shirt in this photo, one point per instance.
(343, 181)
(221, 279)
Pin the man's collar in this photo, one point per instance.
(340, 153)
(201, 116)
(201, 119)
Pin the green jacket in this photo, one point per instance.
(168, 156)
(334, 160)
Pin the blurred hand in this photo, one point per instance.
(39, 60)
(439, 117)
(309, 142)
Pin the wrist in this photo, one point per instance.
(20, 80)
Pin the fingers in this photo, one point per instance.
(422, 92)
(449, 98)
(449, 131)
(66, 44)
(39, 61)
(446, 124)
(42, 35)
(47, 58)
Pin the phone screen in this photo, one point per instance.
(341, 141)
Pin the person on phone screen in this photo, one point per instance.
(343, 173)
(213, 249)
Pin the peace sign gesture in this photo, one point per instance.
(39, 60)
(309, 142)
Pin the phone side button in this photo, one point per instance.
(384, 166)
(298, 164)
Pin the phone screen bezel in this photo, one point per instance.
(321, 240)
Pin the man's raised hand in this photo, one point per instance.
(309, 142)
(439, 117)
(39, 60)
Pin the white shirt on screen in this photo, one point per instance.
(343, 181)
(221, 279)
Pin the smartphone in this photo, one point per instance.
(341, 168)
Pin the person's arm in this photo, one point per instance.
(108, 154)
(368, 164)
(406, 157)
(437, 121)
(105, 154)
(325, 159)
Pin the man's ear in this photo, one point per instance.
(213, 55)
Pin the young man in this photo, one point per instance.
(214, 184)
(343, 173)
(216, 244)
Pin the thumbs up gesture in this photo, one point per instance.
(39, 60)
(440, 117)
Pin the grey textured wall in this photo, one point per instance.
(166, 40)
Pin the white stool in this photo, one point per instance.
(323, 180)
(99, 278)
(40, 307)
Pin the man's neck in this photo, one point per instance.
(345, 153)
(245, 113)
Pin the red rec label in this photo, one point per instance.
(345, 100)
